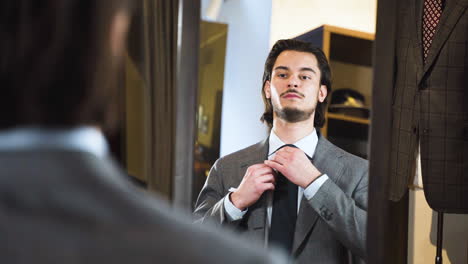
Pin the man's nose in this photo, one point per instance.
(293, 82)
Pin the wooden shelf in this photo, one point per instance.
(349, 32)
(348, 118)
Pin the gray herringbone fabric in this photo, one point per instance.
(430, 106)
(72, 207)
(330, 227)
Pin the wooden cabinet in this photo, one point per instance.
(350, 55)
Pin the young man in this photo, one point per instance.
(294, 189)
(62, 198)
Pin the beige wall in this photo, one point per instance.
(422, 230)
(293, 17)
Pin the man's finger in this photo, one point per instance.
(281, 159)
(275, 165)
(267, 178)
(268, 186)
(259, 171)
(288, 149)
(257, 166)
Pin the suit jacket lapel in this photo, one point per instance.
(450, 16)
(257, 213)
(416, 8)
(306, 219)
(326, 161)
(257, 155)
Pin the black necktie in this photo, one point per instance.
(283, 220)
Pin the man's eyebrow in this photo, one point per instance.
(287, 69)
(282, 68)
(307, 69)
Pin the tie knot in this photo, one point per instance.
(289, 145)
(285, 145)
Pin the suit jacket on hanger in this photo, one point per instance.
(430, 106)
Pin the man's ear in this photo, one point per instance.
(322, 93)
(267, 89)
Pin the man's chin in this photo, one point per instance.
(294, 115)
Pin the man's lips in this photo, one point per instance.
(292, 95)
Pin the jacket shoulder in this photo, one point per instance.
(350, 160)
(246, 155)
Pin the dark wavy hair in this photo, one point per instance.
(55, 68)
(325, 76)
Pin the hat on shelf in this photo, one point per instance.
(348, 102)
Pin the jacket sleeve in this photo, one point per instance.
(210, 202)
(345, 215)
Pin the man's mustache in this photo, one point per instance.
(292, 91)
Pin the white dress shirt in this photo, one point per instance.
(417, 181)
(86, 139)
(306, 144)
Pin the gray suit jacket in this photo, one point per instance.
(430, 106)
(71, 207)
(328, 226)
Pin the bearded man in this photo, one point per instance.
(294, 189)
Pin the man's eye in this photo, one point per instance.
(282, 75)
(305, 77)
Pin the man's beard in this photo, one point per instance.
(293, 115)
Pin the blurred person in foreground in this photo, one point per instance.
(62, 198)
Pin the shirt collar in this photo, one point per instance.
(306, 144)
(87, 139)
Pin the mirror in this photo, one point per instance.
(250, 29)
(235, 38)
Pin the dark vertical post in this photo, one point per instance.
(186, 98)
(440, 235)
(379, 238)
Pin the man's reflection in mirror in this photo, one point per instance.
(295, 189)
